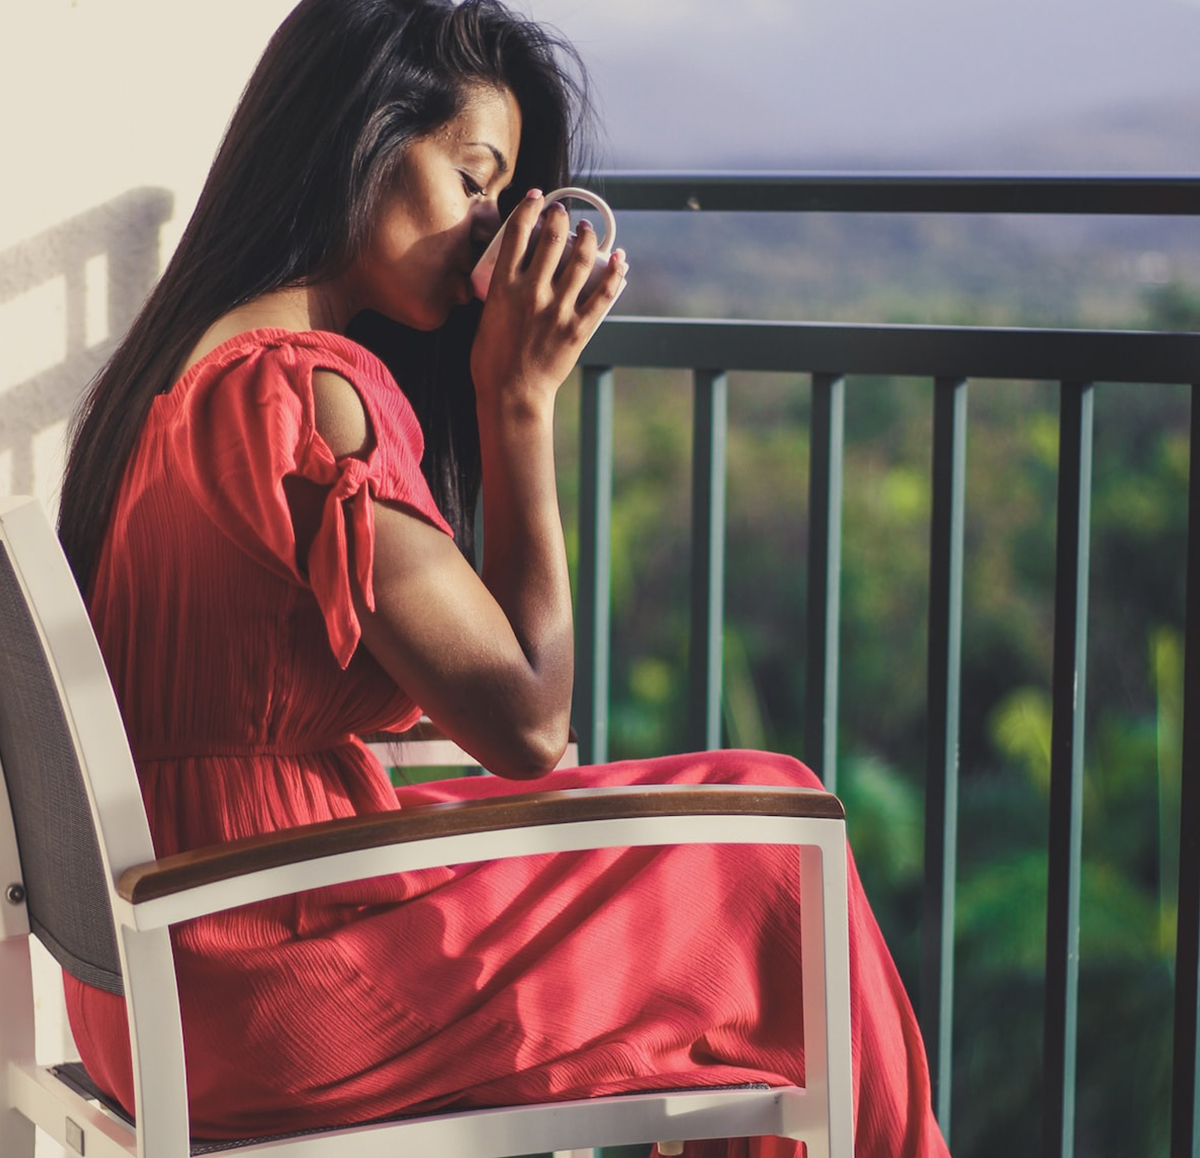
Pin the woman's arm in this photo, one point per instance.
(491, 658)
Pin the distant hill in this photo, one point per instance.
(1006, 270)
(918, 269)
(1160, 136)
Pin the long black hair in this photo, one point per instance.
(342, 88)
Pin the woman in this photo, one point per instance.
(274, 563)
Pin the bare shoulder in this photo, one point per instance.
(339, 415)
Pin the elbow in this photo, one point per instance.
(533, 753)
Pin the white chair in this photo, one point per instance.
(78, 872)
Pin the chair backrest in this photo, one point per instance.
(56, 705)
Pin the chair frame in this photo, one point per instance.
(148, 895)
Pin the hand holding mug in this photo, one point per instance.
(481, 278)
(547, 291)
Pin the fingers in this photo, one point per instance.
(551, 242)
(517, 232)
(597, 304)
(585, 286)
(562, 273)
(579, 264)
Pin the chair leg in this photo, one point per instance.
(17, 1134)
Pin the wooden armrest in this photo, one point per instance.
(187, 870)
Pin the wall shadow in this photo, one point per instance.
(110, 250)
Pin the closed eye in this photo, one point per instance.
(470, 184)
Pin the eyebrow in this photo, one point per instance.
(500, 159)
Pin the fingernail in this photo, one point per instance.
(533, 194)
(586, 226)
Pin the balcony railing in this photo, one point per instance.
(951, 357)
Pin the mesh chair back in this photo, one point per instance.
(66, 893)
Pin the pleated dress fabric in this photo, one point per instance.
(243, 688)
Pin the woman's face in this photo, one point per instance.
(439, 214)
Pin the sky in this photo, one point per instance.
(784, 83)
(708, 84)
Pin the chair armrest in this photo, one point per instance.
(153, 896)
(206, 866)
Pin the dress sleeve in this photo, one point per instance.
(245, 424)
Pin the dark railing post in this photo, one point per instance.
(826, 447)
(1066, 767)
(710, 409)
(595, 556)
(1185, 1094)
(941, 780)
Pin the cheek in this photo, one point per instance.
(392, 250)
(394, 234)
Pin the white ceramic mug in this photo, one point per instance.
(481, 277)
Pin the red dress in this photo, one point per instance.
(242, 688)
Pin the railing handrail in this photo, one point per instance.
(1068, 194)
(1136, 356)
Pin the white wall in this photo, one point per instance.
(112, 110)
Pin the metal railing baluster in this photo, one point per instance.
(826, 452)
(710, 409)
(1185, 1087)
(593, 612)
(1066, 766)
(941, 779)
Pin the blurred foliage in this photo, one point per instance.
(1133, 694)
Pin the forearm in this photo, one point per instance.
(531, 332)
(524, 557)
